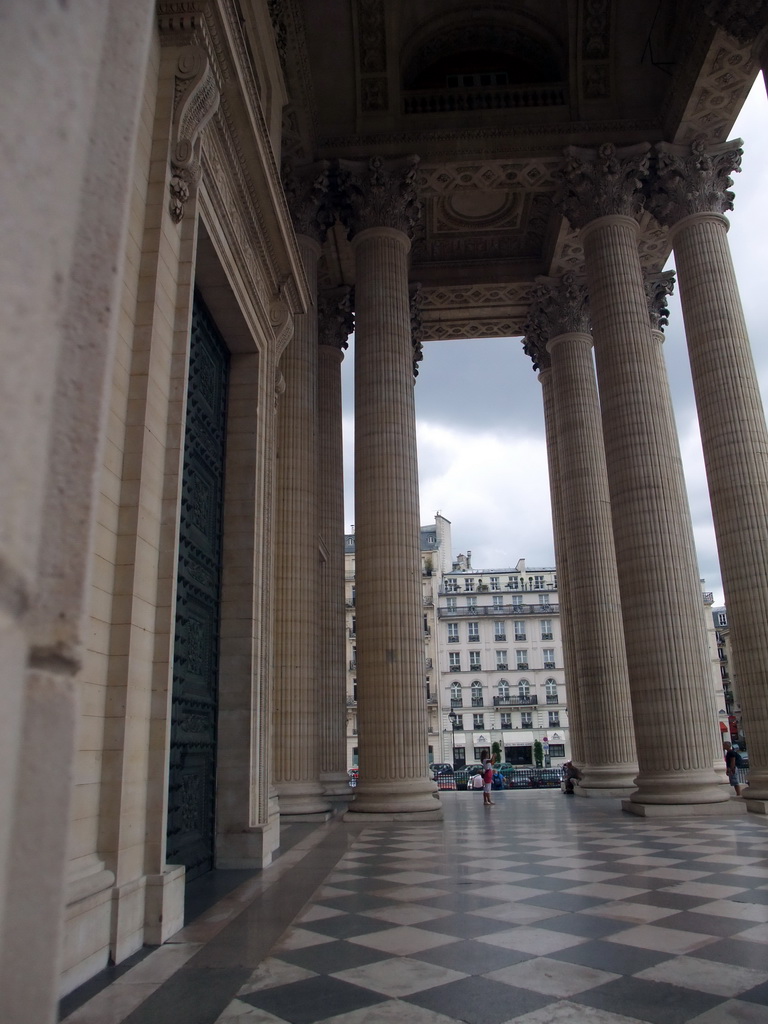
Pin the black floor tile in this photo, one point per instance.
(562, 901)
(347, 926)
(193, 995)
(670, 900)
(331, 956)
(304, 1002)
(739, 952)
(611, 956)
(707, 924)
(588, 925)
(478, 1000)
(472, 957)
(650, 1000)
(759, 994)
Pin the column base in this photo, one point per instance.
(404, 800)
(319, 817)
(607, 779)
(252, 848)
(164, 907)
(755, 806)
(303, 801)
(597, 791)
(724, 809)
(353, 815)
(336, 786)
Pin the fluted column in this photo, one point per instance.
(609, 763)
(667, 658)
(335, 325)
(391, 688)
(296, 734)
(691, 193)
(534, 347)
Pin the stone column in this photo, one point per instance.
(296, 694)
(336, 324)
(392, 706)
(609, 761)
(691, 193)
(669, 670)
(535, 347)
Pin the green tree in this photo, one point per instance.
(538, 754)
(496, 752)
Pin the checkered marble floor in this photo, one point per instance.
(533, 911)
(542, 909)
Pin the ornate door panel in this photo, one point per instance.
(192, 780)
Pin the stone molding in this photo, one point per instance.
(602, 182)
(658, 287)
(742, 19)
(692, 179)
(308, 192)
(336, 319)
(378, 193)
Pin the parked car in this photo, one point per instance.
(441, 768)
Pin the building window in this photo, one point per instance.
(526, 719)
(453, 632)
(454, 661)
(557, 750)
(499, 631)
(495, 585)
(478, 721)
(554, 717)
(498, 600)
(551, 687)
(451, 603)
(506, 719)
(722, 619)
(459, 755)
(513, 582)
(522, 658)
(471, 604)
(546, 629)
(456, 694)
(477, 694)
(520, 631)
(549, 657)
(517, 600)
(469, 583)
(504, 689)
(501, 661)
(544, 599)
(474, 660)
(524, 688)
(473, 632)
(451, 586)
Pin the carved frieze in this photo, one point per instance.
(692, 179)
(602, 182)
(658, 288)
(723, 83)
(378, 193)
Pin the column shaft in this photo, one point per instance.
(608, 736)
(392, 713)
(296, 571)
(660, 594)
(735, 443)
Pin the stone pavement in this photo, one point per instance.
(542, 909)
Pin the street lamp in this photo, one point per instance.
(453, 719)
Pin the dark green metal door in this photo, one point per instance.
(192, 779)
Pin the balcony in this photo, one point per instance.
(552, 698)
(502, 666)
(522, 666)
(474, 639)
(457, 702)
(499, 611)
(515, 701)
(546, 636)
(478, 702)
(453, 639)
(520, 638)
(500, 638)
(549, 664)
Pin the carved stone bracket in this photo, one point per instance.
(657, 289)
(196, 100)
(378, 193)
(602, 182)
(336, 319)
(558, 306)
(693, 179)
(308, 193)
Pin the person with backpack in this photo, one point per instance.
(732, 762)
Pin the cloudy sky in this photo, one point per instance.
(482, 456)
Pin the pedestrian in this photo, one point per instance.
(732, 762)
(570, 774)
(487, 764)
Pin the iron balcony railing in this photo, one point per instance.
(499, 611)
(516, 700)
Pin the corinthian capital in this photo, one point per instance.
(307, 191)
(658, 287)
(378, 193)
(693, 179)
(742, 19)
(560, 306)
(336, 321)
(602, 182)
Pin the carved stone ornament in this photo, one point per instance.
(742, 19)
(335, 317)
(308, 194)
(417, 326)
(602, 182)
(277, 17)
(378, 193)
(196, 101)
(558, 306)
(693, 179)
(657, 289)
